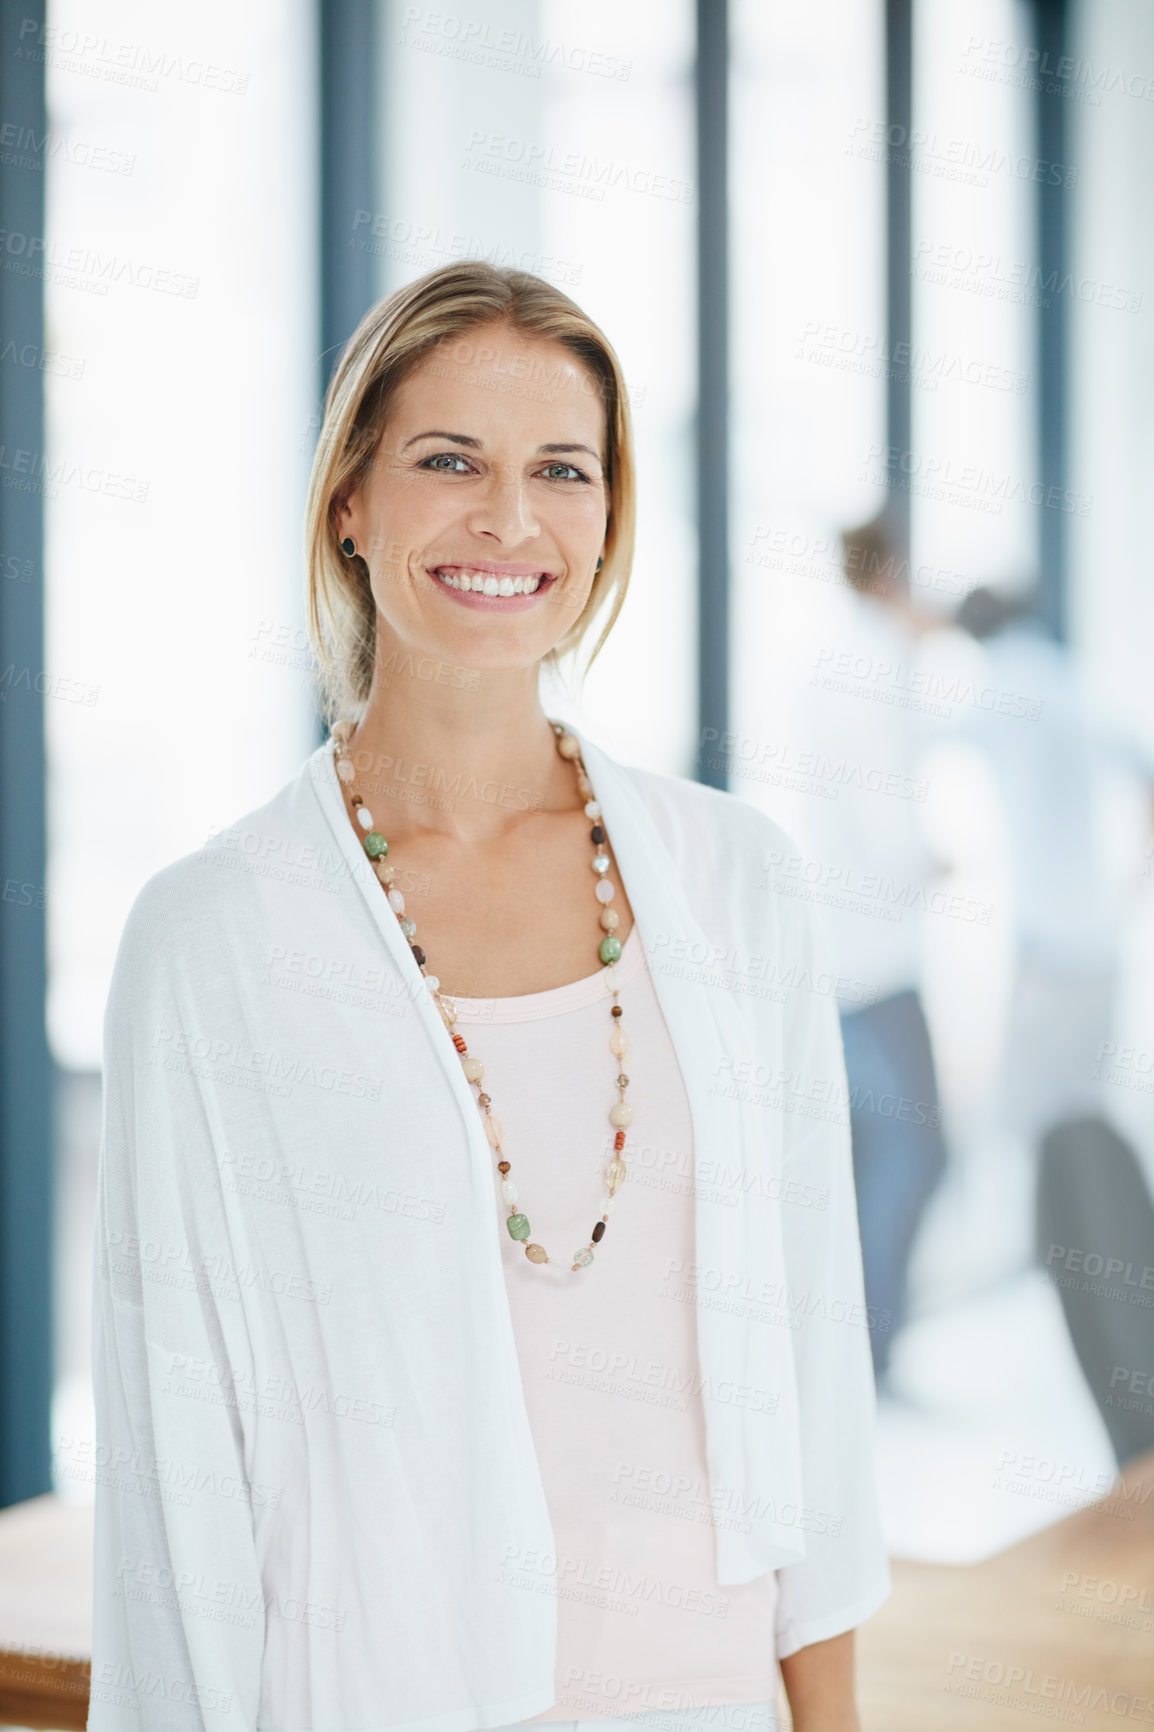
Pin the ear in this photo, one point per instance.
(340, 511)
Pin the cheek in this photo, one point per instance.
(409, 508)
(584, 511)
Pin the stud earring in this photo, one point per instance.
(600, 563)
(348, 547)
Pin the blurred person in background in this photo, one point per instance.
(858, 719)
(1094, 1216)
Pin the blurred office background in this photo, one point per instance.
(854, 256)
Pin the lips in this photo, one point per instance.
(469, 580)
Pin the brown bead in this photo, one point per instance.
(536, 1253)
(356, 800)
(459, 1043)
(598, 1232)
(617, 1011)
(597, 834)
(502, 1166)
(483, 1099)
(619, 1140)
(419, 954)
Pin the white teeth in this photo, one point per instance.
(482, 583)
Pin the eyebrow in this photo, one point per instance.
(475, 444)
(435, 433)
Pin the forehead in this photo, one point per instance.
(488, 382)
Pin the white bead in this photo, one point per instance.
(509, 1192)
(583, 1257)
(592, 809)
(365, 818)
(621, 1115)
(610, 977)
(396, 902)
(474, 1070)
(492, 1129)
(345, 770)
(432, 982)
(607, 1204)
(605, 891)
(600, 862)
(569, 746)
(610, 919)
(619, 1042)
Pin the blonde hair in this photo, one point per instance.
(391, 339)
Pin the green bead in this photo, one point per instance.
(518, 1226)
(375, 845)
(609, 949)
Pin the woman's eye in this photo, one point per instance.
(552, 475)
(443, 460)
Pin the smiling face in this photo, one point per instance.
(484, 511)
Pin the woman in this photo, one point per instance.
(479, 1328)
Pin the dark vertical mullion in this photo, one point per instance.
(348, 180)
(899, 254)
(26, 1069)
(711, 89)
(349, 73)
(1052, 328)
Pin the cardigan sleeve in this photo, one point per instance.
(844, 1576)
(178, 1611)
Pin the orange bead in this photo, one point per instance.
(459, 1043)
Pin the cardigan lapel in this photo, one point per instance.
(323, 771)
(751, 1458)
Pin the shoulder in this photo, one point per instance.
(208, 905)
(725, 831)
(742, 870)
(744, 880)
(173, 909)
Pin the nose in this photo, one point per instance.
(503, 512)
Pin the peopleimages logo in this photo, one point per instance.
(499, 152)
(780, 762)
(963, 159)
(869, 893)
(228, 1057)
(940, 476)
(1042, 1693)
(1064, 74)
(508, 50)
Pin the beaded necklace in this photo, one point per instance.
(608, 951)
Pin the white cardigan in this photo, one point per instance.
(313, 1449)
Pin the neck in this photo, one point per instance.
(478, 747)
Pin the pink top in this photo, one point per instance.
(608, 1357)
